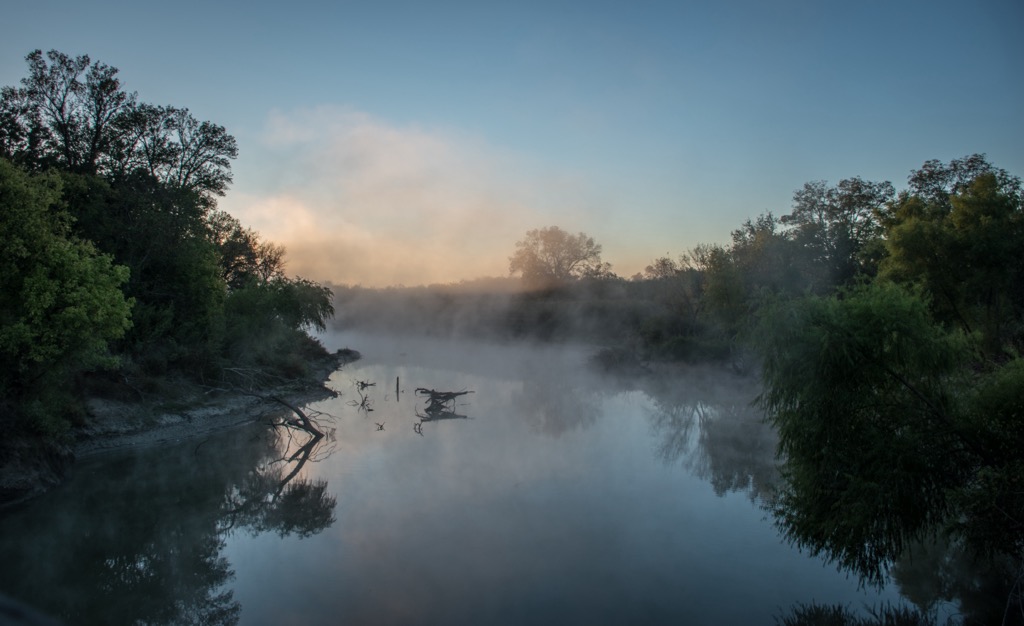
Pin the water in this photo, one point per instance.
(555, 496)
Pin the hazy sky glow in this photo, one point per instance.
(414, 142)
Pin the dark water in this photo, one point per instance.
(554, 496)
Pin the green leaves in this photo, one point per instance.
(860, 388)
(60, 300)
(959, 236)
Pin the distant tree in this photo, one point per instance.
(662, 267)
(551, 256)
(768, 260)
(723, 297)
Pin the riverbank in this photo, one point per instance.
(30, 466)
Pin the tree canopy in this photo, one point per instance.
(60, 299)
(72, 113)
(897, 400)
(111, 244)
(551, 256)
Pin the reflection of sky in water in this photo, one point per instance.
(512, 516)
(561, 498)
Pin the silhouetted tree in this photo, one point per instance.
(72, 113)
(837, 225)
(551, 256)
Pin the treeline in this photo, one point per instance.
(114, 257)
(888, 327)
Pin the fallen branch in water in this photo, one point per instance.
(440, 402)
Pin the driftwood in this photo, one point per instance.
(440, 404)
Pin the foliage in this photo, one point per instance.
(264, 324)
(550, 256)
(837, 225)
(73, 114)
(862, 388)
(897, 400)
(126, 214)
(992, 503)
(60, 300)
(960, 239)
(244, 257)
(836, 615)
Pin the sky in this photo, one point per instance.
(406, 143)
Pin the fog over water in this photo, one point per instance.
(550, 494)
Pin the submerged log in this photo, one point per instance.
(440, 403)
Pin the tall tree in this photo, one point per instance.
(71, 104)
(838, 224)
(551, 256)
(73, 113)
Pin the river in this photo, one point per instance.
(548, 494)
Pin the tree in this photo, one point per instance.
(72, 113)
(60, 300)
(551, 256)
(65, 111)
(889, 431)
(861, 391)
(958, 233)
(838, 224)
(245, 257)
(662, 268)
(769, 260)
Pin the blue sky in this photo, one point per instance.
(413, 142)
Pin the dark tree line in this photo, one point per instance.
(888, 326)
(114, 253)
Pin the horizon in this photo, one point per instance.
(404, 144)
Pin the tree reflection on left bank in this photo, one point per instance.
(139, 538)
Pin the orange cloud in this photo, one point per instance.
(358, 201)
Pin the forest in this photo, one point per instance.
(886, 325)
(119, 276)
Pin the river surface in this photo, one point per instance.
(549, 494)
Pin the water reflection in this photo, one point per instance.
(715, 432)
(130, 545)
(553, 405)
(943, 578)
(272, 498)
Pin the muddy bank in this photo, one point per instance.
(30, 466)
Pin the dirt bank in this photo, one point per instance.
(29, 467)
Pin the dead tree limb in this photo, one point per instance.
(440, 402)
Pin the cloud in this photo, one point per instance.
(356, 200)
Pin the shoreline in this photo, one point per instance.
(30, 467)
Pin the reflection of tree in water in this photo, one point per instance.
(272, 497)
(934, 573)
(716, 433)
(139, 540)
(553, 405)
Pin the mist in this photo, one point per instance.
(356, 200)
